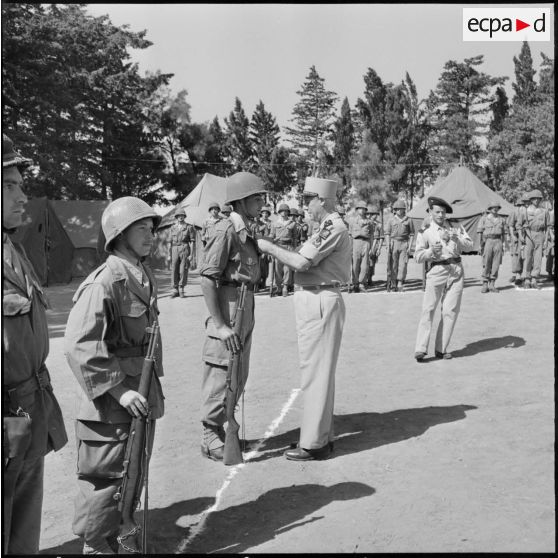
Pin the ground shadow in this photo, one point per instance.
(163, 531)
(490, 344)
(239, 528)
(364, 431)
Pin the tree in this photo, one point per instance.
(237, 139)
(500, 109)
(546, 77)
(458, 111)
(280, 174)
(524, 86)
(264, 135)
(343, 143)
(312, 119)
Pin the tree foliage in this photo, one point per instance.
(343, 143)
(237, 139)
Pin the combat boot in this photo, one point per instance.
(526, 284)
(182, 295)
(174, 293)
(492, 287)
(535, 284)
(213, 441)
(484, 287)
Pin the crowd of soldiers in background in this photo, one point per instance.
(527, 234)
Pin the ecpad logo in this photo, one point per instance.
(507, 24)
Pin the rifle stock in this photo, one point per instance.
(232, 453)
(136, 462)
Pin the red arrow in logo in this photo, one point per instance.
(519, 25)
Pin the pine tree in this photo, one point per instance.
(524, 86)
(500, 109)
(546, 77)
(237, 134)
(264, 135)
(458, 108)
(216, 149)
(313, 119)
(344, 143)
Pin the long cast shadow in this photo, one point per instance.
(238, 528)
(489, 344)
(163, 529)
(364, 431)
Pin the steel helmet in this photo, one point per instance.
(266, 208)
(179, 211)
(10, 157)
(123, 212)
(226, 208)
(213, 205)
(494, 204)
(283, 207)
(360, 203)
(399, 204)
(242, 185)
(534, 194)
(293, 211)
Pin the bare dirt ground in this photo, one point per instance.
(443, 456)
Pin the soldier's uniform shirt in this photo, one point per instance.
(320, 316)
(230, 257)
(263, 228)
(105, 345)
(180, 237)
(284, 234)
(493, 230)
(443, 282)
(533, 222)
(25, 347)
(399, 230)
(207, 227)
(360, 229)
(515, 242)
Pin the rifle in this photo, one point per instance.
(136, 461)
(232, 454)
(389, 279)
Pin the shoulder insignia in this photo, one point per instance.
(324, 234)
(317, 241)
(328, 224)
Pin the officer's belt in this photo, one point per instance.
(131, 351)
(40, 380)
(284, 242)
(362, 237)
(317, 287)
(446, 262)
(400, 238)
(493, 236)
(236, 284)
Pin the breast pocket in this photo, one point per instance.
(134, 319)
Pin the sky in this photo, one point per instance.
(264, 51)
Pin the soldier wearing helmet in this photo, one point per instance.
(373, 214)
(515, 243)
(360, 230)
(533, 224)
(231, 258)
(302, 225)
(209, 224)
(181, 235)
(226, 210)
(321, 267)
(105, 348)
(263, 229)
(399, 232)
(26, 388)
(491, 230)
(283, 232)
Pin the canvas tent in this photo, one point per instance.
(82, 221)
(46, 243)
(469, 198)
(195, 204)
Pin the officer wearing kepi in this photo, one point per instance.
(492, 229)
(181, 235)
(231, 257)
(105, 346)
(32, 421)
(399, 233)
(321, 268)
(440, 246)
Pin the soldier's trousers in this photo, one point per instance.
(549, 264)
(361, 256)
(533, 254)
(180, 264)
(516, 259)
(216, 357)
(22, 500)
(320, 316)
(283, 274)
(399, 259)
(444, 283)
(264, 268)
(491, 258)
(100, 460)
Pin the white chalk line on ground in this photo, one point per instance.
(199, 527)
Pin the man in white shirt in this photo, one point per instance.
(440, 246)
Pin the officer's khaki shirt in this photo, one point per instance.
(400, 229)
(284, 232)
(231, 253)
(180, 234)
(489, 224)
(432, 234)
(329, 250)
